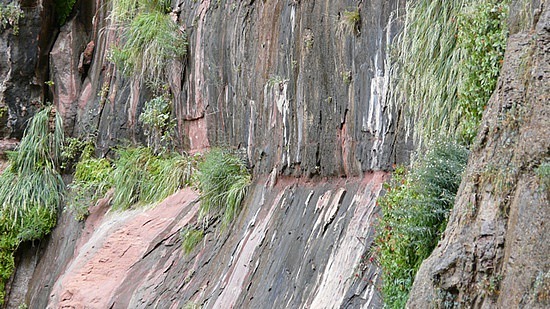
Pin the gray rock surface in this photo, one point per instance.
(24, 65)
(494, 253)
(281, 80)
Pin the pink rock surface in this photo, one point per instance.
(118, 241)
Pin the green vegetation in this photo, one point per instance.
(351, 22)
(415, 210)
(482, 38)
(3, 111)
(446, 63)
(91, 181)
(72, 149)
(141, 176)
(543, 173)
(31, 189)
(63, 9)
(150, 40)
(190, 239)
(223, 180)
(157, 122)
(449, 50)
(10, 15)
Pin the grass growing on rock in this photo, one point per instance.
(446, 63)
(223, 180)
(190, 239)
(141, 176)
(91, 181)
(445, 67)
(415, 212)
(31, 189)
(351, 22)
(151, 39)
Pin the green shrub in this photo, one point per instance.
(31, 189)
(157, 122)
(190, 239)
(223, 180)
(91, 181)
(482, 37)
(63, 9)
(151, 39)
(414, 214)
(10, 15)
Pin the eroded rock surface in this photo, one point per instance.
(283, 81)
(295, 244)
(494, 253)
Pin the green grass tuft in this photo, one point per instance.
(190, 239)
(223, 180)
(151, 39)
(351, 22)
(414, 214)
(141, 176)
(31, 189)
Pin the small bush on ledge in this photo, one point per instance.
(223, 180)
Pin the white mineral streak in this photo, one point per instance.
(236, 275)
(338, 274)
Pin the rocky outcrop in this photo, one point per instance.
(494, 252)
(295, 244)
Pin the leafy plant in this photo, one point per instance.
(10, 14)
(31, 188)
(436, 59)
(190, 239)
(63, 9)
(223, 180)
(91, 181)
(157, 121)
(414, 214)
(482, 37)
(72, 149)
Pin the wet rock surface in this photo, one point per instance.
(494, 253)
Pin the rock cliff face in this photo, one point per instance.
(494, 253)
(282, 80)
(296, 244)
(291, 87)
(23, 65)
(304, 98)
